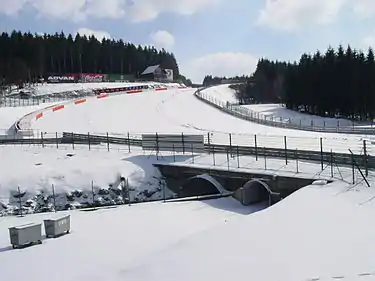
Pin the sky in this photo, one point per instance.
(217, 37)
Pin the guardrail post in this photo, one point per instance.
(107, 142)
(129, 142)
(88, 140)
(338, 125)
(365, 157)
(256, 147)
(57, 142)
(321, 154)
(286, 150)
(296, 154)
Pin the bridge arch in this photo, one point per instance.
(255, 191)
(201, 185)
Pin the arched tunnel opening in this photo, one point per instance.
(201, 185)
(256, 191)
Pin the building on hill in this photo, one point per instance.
(157, 73)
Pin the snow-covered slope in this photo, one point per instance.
(176, 111)
(222, 93)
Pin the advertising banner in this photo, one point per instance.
(90, 77)
(69, 78)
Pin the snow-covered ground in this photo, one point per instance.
(222, 93)
(278, 113)
(177, 111)
(317, 233)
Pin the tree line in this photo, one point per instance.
(338, 83)
(27, 56)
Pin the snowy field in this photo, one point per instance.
(278, 113)
(318, 233)
(177, 111)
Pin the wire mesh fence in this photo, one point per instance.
(309, 124)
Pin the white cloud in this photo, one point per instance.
(364, 8)
(291, 15)
(78, 10)
(163, 39)
(99, 34)
(11, 7)
(369, 41)
(219, 64)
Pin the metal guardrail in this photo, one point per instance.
(364, 161)
(249, 115)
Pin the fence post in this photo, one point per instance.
(107, 142)
(129, 142)
(286, 150)
(228, 159)
(41, 137)
(331, 164)
(57, 142)
(238, 157)
(209, 142)
(353, 170)
(365, 157)
(296, 154)
(321, 154)
(183, 143)
(230, 143)
(72, 141)
(88, 140)
(256, 147)
(192, 152)
(265, 158)
(213, 154)
(157, 146)
(54, 197)
(174, 154)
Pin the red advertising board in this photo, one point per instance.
(90, 77)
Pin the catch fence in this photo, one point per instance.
(287, 148)
(295, 124)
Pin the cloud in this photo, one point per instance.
(79, 10)
(163, 39)
(364, 8)
(369, 41)
(219, 64)
(99, 34)
(291, 15)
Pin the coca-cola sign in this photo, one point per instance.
(92, 77)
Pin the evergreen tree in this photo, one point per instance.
(25, 57)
